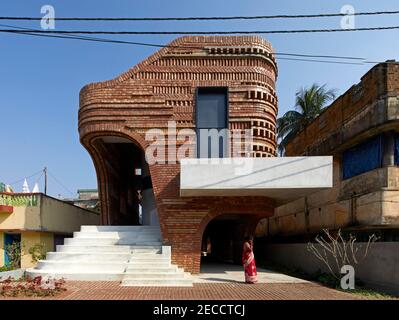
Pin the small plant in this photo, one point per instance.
(36, 287)
(5, 268)
(37, 251)
(336, 251)
(328, 280)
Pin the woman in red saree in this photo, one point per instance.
(248, 260)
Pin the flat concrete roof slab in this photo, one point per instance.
(281, 178)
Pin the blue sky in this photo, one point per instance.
(40, 78)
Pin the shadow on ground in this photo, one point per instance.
(213, 272)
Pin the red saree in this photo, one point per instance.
(248, 260)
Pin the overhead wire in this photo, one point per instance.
(219, 32)
(60, 183)
(279, 55)
(255, 17)
(28, 177)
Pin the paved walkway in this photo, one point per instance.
(111, 290)
(225, 291)
(216, 282)
(219, 273)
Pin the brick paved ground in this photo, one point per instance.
(85, 290)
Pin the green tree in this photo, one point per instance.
(309, 103)
(38, 252)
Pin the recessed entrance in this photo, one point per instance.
(223, 239)
(126, 183)
(222, 248)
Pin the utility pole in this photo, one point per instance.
(45, 180)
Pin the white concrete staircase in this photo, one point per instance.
(133, 255)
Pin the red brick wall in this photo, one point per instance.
(161, 89)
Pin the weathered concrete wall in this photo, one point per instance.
(379, 270)
(370, 199)
(47, 214)
(365, 109)
(61, 217)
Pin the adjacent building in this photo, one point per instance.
(87, 199)
(34, 220)
(360, 130)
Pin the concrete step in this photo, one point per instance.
(77, 276)
(149, 256)
(117, 235)
(88, 257)
(118, 228)
(146, 251)
(81, 267)
(144, 263)
(123, 237)
(157, 282)
(154, 275)
(110, 241)
(149, 259)
(98, 249)
(138, 269)
(139, 242)
(142, 249)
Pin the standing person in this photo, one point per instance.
(248, 260)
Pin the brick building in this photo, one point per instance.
(183, 146)
(237, 75)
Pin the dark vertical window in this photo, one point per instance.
(396, 151)
(362, 158)
(212, 122)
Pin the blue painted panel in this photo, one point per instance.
(362, 158)
(397, 149)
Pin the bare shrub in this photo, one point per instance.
(335, 251)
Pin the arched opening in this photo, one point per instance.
(125, 183)
(222, 240)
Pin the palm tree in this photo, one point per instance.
(308, 105)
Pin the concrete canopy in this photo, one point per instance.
(281, 178)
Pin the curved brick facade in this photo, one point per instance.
(161, 89)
